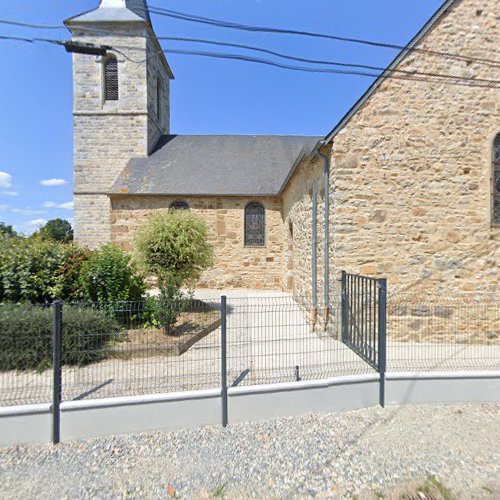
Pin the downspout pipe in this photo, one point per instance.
(314, 266)
(326, 179)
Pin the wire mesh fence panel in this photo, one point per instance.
(150, 347)
(283, 339)
(436, 333)
(25, 354)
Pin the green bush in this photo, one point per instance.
(109, 275)
(26, 336)
(173, 247)
(38, 271)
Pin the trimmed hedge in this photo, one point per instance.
(26, 336)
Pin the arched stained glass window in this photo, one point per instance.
(179, 205)
(496, 181)
(255, 225)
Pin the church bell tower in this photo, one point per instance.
(121, 106)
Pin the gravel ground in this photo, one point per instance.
(338, 455)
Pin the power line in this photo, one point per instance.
(322, 62)
(232, 25)
(31, 40)
(244, 27)
(34, 26)
(387, 72)
(291, 57)
(268, 62)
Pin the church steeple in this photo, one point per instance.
(116, 11)
(121, 105)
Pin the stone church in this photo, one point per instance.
(406, 185)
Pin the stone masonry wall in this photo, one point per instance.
(236, 266)
(412, 169)
(107, 134)
(297, 214)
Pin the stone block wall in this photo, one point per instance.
(236, 266)
(412, 169)
(297, 214)
(107, 134)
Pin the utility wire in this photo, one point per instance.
(287, 56)
(320, 62)
(227, 24)
(34, 26)
(262, 29)
(268, 62)
(31, 40)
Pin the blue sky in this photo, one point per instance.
(208, 96)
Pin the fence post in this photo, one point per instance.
(382, 337)
(56, 361)
(343, 311)
(223, 361)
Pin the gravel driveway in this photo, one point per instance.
(330, 456)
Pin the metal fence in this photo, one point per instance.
(148, 347)
(436, 333)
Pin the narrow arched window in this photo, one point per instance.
(179, 205)
(496, 181)
(255, 225)
(111, 79)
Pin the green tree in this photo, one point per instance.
(7, 229)
(173, 247)
(58, 230)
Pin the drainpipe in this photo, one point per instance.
(326, 178)
(314, 312)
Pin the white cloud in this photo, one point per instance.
(53, 182)
(36, 223)
(67, 206)
(5, 180)
(9, 193)
(52, 204)
(26, 211)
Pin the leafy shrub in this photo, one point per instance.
(164, 312)
(38, 271)
(26, 336)
(174, 248)
(109, 275)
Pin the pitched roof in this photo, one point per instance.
(115, 11)
(214, 165)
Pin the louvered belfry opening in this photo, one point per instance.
(111, 79)
(255, 225)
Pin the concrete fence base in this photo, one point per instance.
(169, 412)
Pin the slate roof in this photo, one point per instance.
(115, 10)
(254, 165)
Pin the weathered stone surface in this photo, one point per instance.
(236, 266)
(107, 134)
(410, 182)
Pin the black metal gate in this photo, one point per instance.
(364, 302)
